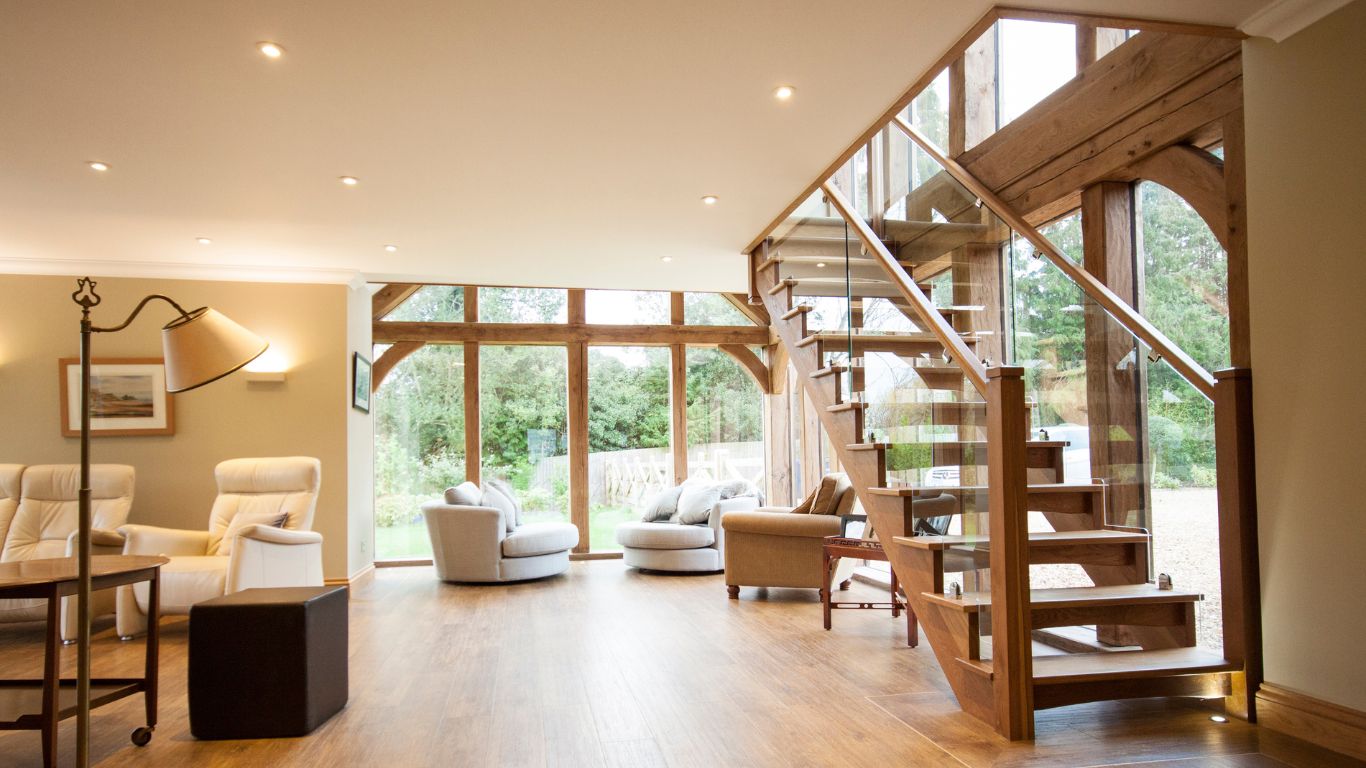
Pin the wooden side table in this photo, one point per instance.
(38, 705)
(836, 547)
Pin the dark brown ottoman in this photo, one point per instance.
(266, 663)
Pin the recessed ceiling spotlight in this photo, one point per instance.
(820, 265)
(1218, 718)
(349, 181)
(270, 50)
(666, 259)
(391, 248)
(203, 241)
(783, 92)
(709, 199)
(96, 165)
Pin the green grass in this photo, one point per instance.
(400, 542)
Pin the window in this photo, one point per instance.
(1036, 57)
(711, 309)
(523, 305)
(432, 304)
(628, 436)
(627, 307)
(419, 415)
(523, 403)
(725, 419)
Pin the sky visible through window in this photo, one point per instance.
(1036, 57)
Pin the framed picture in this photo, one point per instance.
(360, 382)
(127, 397)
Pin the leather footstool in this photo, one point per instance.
(267, 663)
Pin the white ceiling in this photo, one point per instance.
(497, 141)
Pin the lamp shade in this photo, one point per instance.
(203, 346)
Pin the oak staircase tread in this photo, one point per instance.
(1073, 597)
(1062, 669)
(837, 407)
(1036, 539)
(918, 490)
(980, 445)
(800, 309)
(781, 286)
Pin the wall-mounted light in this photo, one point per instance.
(269, 368)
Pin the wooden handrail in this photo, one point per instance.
(1136, 324)
(946, 335)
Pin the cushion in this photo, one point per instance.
(464, 495)
(734, 489)
(804, 508)
(507, 491)
(695, 503)
(274, 519)
(662, 506)
(498, 500)
(540, 539)
(664, 536)
(830, 494)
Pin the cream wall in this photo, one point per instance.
(1306, 137)
(308, 414)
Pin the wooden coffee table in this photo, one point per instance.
(837, 547)
(38, 705)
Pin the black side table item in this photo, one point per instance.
(267, 663)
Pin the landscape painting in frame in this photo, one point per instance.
(127, 397)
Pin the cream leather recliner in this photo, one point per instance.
(259, 536)
(39, 515)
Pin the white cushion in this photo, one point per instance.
(664, 536)
(286, 485)
(694, 505)
(540, 539)
(274, 519)
(47, 510)
(493, 497)
(464, 495)
(186, 581)
(662, 506)
(511, 495)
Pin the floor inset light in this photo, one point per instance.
(203, 240)
(666, 259)
(1218, 718)
(391, 248)
(709, 199)
(96, 165)
(270, 50)
(783, 92)
(349, 181)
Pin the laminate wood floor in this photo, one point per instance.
(609, 667)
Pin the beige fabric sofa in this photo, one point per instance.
(476, 543)
(666, 546)
(39, 515)
(258, 536)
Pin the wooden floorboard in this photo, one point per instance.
(608, 667)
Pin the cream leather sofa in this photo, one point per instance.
(665, 546)
(472, 542)
(258, 536)
(39, 514)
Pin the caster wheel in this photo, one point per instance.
(141, 736)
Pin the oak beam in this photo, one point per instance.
(388, 298)
(474, 445)
(578, 442)
(756, 313)
(678, 410)
(1119, 22)
(1197, 177)
(390, 358)
(385, 332)
(1239, 566)
(1235, 188)
(752, 365)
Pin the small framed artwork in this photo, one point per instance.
(360, 382)
(128, 397)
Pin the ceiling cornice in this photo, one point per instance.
(1283, 18)
(178, 271)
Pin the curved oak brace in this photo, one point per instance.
(392, 357)
(388, 298)
(751, 362)
(756, 314)
(1197, 177)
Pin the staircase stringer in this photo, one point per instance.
(974, 692)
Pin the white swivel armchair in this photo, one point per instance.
(259, 536)
(39, 511)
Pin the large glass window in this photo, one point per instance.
(523, 403)
(432, 304)
(627, 307)
(628, 436)
(1036, 57)
(711, 309)
(419, 414)
(523, 305)
(725, 419)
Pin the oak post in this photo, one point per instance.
(1012, 649)
(578, 423)
(474, 459)
(1239, 568)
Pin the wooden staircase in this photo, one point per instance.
(1120, 601)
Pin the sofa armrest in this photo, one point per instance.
(769, 523)
(273, 535)
(102, 541)
(152, 540)
(726, 507)
(467, 542)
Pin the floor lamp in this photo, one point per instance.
(199, 346)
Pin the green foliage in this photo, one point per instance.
(724, 404)
(628, 405)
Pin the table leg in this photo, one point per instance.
(896, 609)
(52, 680)
(149, 694)
(827, 576)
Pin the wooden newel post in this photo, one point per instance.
(1012, 657)
(1239, 572)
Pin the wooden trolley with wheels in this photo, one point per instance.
(39, 705)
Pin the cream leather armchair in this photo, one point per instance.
(39, 511)
(258, 536)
